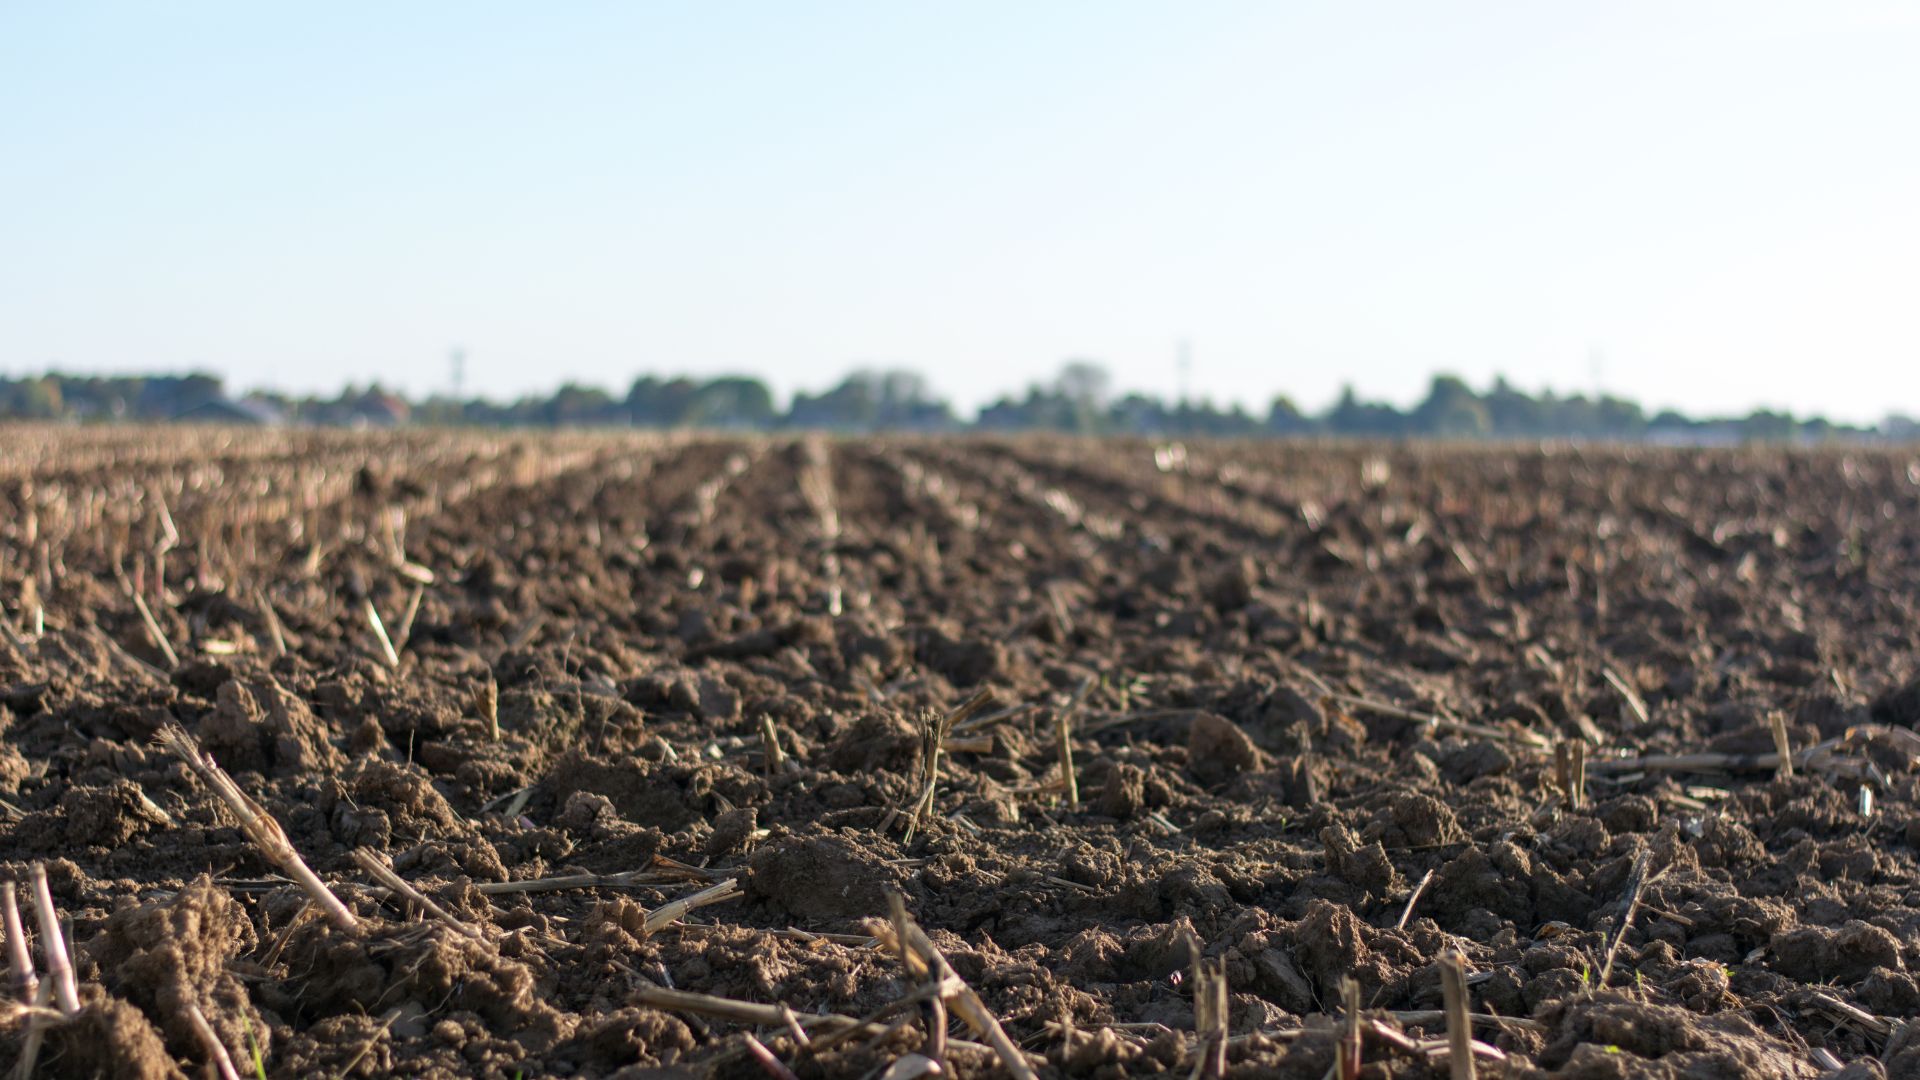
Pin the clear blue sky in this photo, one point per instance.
(1711, 205)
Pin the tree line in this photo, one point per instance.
(1079, 398)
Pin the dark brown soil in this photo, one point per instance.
(1268, 629)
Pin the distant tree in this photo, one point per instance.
(1511, 412)
(1140, 414)
(734, 401)
(1078, 398)
(36, 399)
(1085, 383)
(1619, 418)
(1075, 401)
(1451, 411)
(1767, 425)
(439, 411)
(653, 402)
(574, 403)
(164, 396)
(1083, 387)
(1010, 414)
(1351, 416)
(853, 405)
(900, 391)
(1285, 418)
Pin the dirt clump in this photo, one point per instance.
(1325, 684)
(167, 955)
(827, 879)
(1218, 750)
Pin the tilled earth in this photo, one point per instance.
(1324, 703)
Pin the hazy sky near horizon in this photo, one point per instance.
(1704, 204)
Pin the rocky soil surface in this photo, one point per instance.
(1334, 713)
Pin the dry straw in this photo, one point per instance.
(1347, 1050)
(1063, 741)
(1453, 993)
(920, 956)
(216, 1051)
(21, 979)
(376, 867)
(53, 945)
(259, 826)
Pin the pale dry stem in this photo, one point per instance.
(1635, 887)
(1063, 741)
(276, 634)
(1347, 1051)
(1406, 913)
(379, 628)
(1210, 1018)
(21, 979)
(403, 632)
(155, 636)
(53, 945)
(376, 867)
(259, 826)
(1453, 992)
(933, 745)
(673, 911)
(958, 995)
(216, 1052)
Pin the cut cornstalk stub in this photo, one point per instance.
(776, 758)
(773, 1066)
(1210, 1017)
(486, 699)
(1063, 737)
(968, 744)
(1347, 1051)
(1453, 994)
(216, 1051)
(155, 636)
(1630, 698)
(1576, 779)
(1636, 887)
(53, 945)
(377, 868)
(933, 745)
(380, 633)
(1580, 771)
(259, 825)
(1781, 745)
(1406, 913)
(276, 634)
(403, 632)
(673, 911)
(21, 979)
(911, 941)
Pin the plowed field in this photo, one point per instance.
(1113, 721)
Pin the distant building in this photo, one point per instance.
(379, 409)
(222, 410)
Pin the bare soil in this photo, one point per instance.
(1318, 678)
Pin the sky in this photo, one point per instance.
(1707, 205)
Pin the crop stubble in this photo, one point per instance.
(616, 750)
